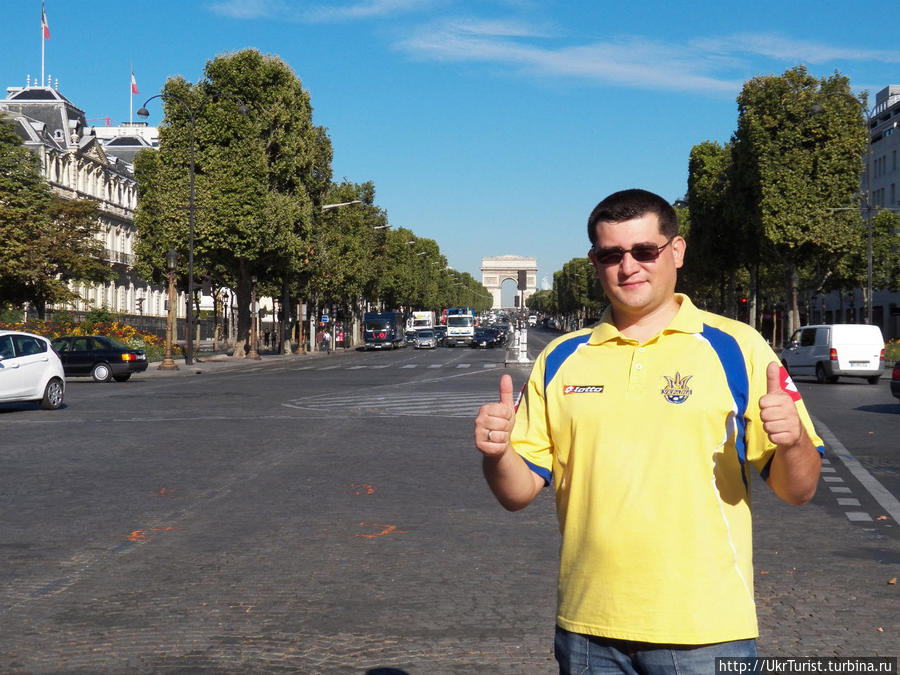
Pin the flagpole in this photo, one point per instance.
(131, 97)
(42, 44)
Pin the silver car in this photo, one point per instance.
(426, 339)
(30, 370)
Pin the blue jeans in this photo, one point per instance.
(578, 653)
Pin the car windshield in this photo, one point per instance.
(426, 334)
(377, 324)
(460, 321)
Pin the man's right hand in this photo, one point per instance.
(495, 422)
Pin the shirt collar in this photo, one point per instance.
(688, 320)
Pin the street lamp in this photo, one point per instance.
(168, 362)
(192, 117)
(326, 207)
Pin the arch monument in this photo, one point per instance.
(495, 270)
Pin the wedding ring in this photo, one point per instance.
(489, 435)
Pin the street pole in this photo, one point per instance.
(254, 319)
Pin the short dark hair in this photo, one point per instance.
(627, 204)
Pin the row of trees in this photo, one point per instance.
(263, 197)
(775, 213)
(261, 209)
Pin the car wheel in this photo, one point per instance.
(101, 372)
(821, 376)
(122, 378)
(53, 395)
(874, 379)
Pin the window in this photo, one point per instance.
(6, 347)
(807, 337)
(27, 345)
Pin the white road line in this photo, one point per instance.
(832, 479)
(848, 501)
(410, 365)
(858, 516)
(464, 365)
(829, 469)
(436, 365)
(840, 490)
(887, 501)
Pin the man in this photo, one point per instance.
(648, 424)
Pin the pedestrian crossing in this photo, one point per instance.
(462, 404)
(403, 366)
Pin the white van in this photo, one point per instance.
(838, 350)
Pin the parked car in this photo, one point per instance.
(440, 334)
(425, 339)
(101, 357)
(895, 380)
(30, 370)
(837, 350)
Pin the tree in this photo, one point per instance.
(793, 166)
(262, 170)
(47, 241)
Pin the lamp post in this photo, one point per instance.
(168, 362)
(192, 117)
(254, 329)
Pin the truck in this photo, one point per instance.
(383, 330)
(460, 326)
(422, 319)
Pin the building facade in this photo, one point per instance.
(80, 161)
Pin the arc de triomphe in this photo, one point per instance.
(497, 269)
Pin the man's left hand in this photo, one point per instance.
(778, 412)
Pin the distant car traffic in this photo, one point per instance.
(486, 337)
(425, 339)
(440, 334)
(100, 357)
(30, 370)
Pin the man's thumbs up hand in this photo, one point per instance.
(495, 421)
(777, 410)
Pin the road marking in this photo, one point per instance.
(464, 365)
(409, 365)
(858, 516)
(832, 479)
(887, 501)
(840, 490)
(848, 501)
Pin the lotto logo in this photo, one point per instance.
(582, 389)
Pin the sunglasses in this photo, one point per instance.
(640, 252)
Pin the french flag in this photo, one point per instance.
(134, 89)
(44, 25)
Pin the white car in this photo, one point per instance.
(837, 350)
(30, 370)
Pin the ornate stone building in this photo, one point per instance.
(85, 162)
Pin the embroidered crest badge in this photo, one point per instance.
(677, 389)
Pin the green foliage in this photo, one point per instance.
(47, 241)
(97, 315)
(260, 178)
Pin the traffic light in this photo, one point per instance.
(206, 285)
(523, 281)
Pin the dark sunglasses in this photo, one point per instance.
(640, 252)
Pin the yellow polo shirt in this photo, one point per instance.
(649, 448)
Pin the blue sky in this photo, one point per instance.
(493, 127)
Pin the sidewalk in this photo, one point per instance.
(205, 362)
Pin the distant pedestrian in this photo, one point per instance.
(266, 338)
(328, 342)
